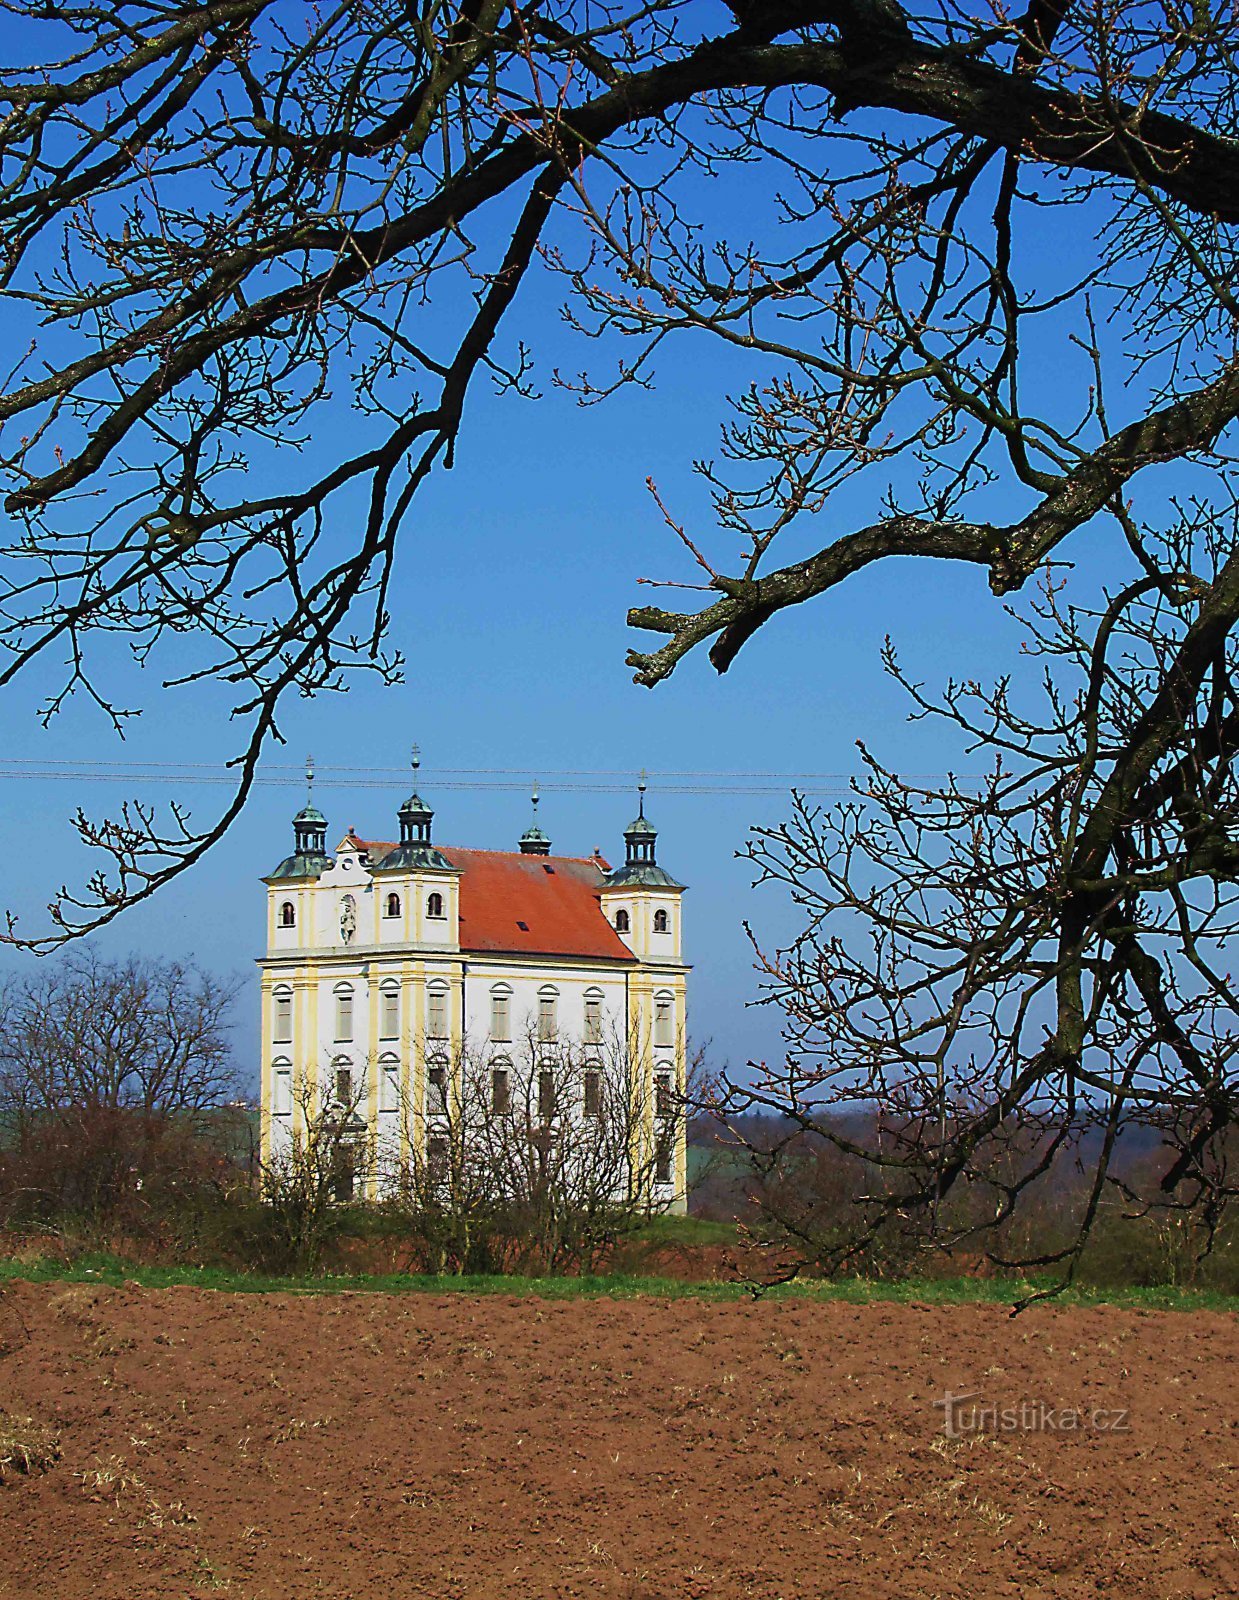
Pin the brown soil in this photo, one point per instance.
(276, 1447)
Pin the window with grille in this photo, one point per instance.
(344, 1016)
(436, 1080)
(663, 1102)
(664, 1164)
(436, 1013)
(283, 1029)
(593, 1019)
(389, 1013)
(500, 1091)
(436, 1158)
(344, 1086)
(593, 1092)
(501, 1015)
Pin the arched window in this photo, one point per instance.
(344, 1014)
(288, 915)
(660, 922)
(664, 1019)
(548, 1014)
(621, 921)
(389, 1083)
(436, 1011)
(434, 905)
(593, 1017)
(393, 905)
(282, 1087)
(436, 1084)
(282, 1003)
(501, 1013)
(389, 1010)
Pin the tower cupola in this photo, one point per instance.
(415, 848)
(309, 856)
(415, 820)
(533, 841)
(640, 847)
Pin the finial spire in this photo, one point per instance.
(417, 761)
(533, 841)
(641, 786)
(309, 834)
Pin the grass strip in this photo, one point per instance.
(114, 1271)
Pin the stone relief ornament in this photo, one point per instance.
(348, 918)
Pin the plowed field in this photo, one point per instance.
(280, 1447)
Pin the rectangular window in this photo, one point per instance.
(436, 1013)
(546, 1094)
(389, 1014)
(664, 1171)
(593, 1092)
(500, 1091)
(283, 1033)
(344, 1087)
(662, 1094)
(344, 1018)
(664, 1022)
(547, 1020)
(436, 1158)
(593, 1021)
(501, 1017)
(389, 1087)
(282, 1092)
(436, 1079)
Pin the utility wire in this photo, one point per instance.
(498, 779)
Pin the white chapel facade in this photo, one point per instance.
(389, 962)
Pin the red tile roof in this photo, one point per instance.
(540, 905)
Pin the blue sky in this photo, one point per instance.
(509, 605)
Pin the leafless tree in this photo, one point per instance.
(537, 1157)
(218, 219)
(137, 1034)
(997, 977)
(327, 1161)
(110, 1070)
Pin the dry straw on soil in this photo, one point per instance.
(26, 1447)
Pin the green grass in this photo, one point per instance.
(672, 1230)
(945, 1291)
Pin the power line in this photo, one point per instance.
(480, 786)
(486, 779)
